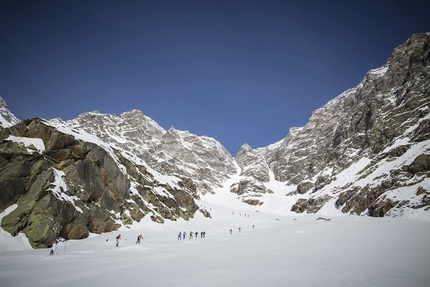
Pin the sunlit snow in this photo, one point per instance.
(268, 251)
(32, 144)
(59, 187)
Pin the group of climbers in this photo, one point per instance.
(183, 235)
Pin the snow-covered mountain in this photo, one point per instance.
(7, 119)
(365, 152)
(170, 152)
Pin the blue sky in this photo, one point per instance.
(238, 71)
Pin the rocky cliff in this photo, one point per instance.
(63, 185)
(380, 129)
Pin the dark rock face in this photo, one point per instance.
(67, 187)
(310, 205)
(419, 165)
(304, 187)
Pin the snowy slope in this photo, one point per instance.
(278, 251)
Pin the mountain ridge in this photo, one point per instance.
(365, 152)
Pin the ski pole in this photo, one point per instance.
(65, 242)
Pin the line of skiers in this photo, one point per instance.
(183, 235)
(118, 238)
(240, 214)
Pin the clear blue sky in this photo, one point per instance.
(238, 71)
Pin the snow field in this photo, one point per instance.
(279, 251)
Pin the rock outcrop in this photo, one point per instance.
(63, 186)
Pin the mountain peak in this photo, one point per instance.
(133, 114)
(7, 119)
(244, 148)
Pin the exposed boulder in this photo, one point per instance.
(205, 213)
(249, 186)
(420, 164)
(380, 208)
(304, 187)
(311, 205)
(250, 190)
